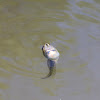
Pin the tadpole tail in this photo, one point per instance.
(52, 68)
(52, 71)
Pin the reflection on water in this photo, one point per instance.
(73, 27)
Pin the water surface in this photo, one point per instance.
(72, 26)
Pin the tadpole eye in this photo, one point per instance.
(47, 44)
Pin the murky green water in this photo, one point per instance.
(72, 26)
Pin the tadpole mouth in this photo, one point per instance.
(42, 48)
